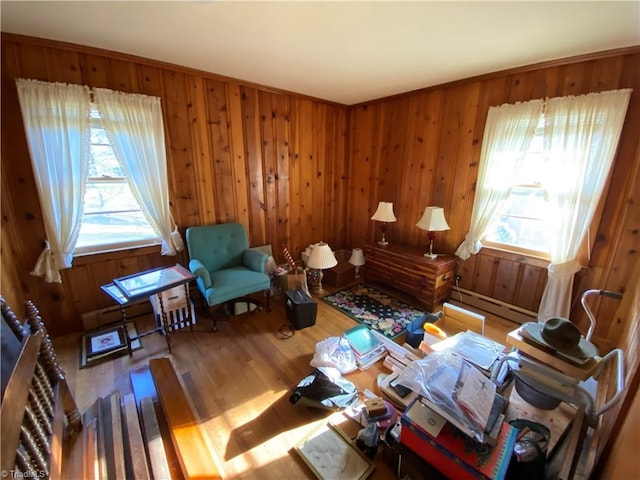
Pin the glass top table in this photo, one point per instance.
(133, 288)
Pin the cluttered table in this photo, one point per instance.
(417, 432)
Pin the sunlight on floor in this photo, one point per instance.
(250, 444)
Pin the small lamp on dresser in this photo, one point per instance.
(384, 214)
(357, 260)
(432, 221)
(321, 257)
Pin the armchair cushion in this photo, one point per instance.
(254, 260)
(226, 268)
(197, 268)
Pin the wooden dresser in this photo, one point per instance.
(407, 269)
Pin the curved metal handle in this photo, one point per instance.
(617, 354)
(583, 301)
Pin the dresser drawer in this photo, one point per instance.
(407, 269)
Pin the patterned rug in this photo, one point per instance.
(375, 309)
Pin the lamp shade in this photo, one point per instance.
(384, 213)
(357, 257)
(433, 220)
(321, 257)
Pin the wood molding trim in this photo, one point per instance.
(511, 71)
(78, 48)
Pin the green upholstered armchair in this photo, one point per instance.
(219, 255)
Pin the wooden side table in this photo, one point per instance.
(407, 269)
(341, 275)
(125, 290)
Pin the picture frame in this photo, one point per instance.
(115, 293)
(87, 361)
(330, 454)
(147, 283)
(105, 341)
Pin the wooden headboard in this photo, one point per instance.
(37, 405)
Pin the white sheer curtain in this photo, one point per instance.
(57, 127)
(134, 126)
(581, 137)
(507, 135)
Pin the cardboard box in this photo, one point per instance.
(178, 308)
(455, 320)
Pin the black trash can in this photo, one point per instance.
(301, 309)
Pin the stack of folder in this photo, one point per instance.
(453, 453)
(367, 349)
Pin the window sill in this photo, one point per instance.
(116, 253)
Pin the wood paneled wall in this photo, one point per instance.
(295, 170)
(275, 162)
(423, 148)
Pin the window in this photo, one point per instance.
(100, 200)
(112, 217)
(520, 224)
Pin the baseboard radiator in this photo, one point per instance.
(105, 316)
(462, 297)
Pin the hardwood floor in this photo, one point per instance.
(240, 379)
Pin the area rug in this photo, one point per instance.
(114, 334)
(377, 310)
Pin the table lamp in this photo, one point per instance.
(384, 214)
(321, 257)
(357, 259)
(432, 221)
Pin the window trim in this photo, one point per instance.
(115, 247)
(506, 247)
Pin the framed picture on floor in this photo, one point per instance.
(105, 353)
(330, 455)
(105, 341)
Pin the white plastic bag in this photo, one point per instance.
(334, 352)
(436, 378)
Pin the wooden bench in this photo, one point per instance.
(38, 409)
(190, 441)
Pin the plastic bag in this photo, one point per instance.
(334, 352)
(434, 377)
(324, 388)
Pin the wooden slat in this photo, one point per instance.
(194, 454)
(238, 159)
(94, 459)
(251, 118)
(155, 443)
(116, 457)
(139, 469)
(90, 464)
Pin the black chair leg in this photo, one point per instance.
(212, 312)
(267, 297)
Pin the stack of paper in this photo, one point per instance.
(480, 351)
(458, 391)
(367, 349)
